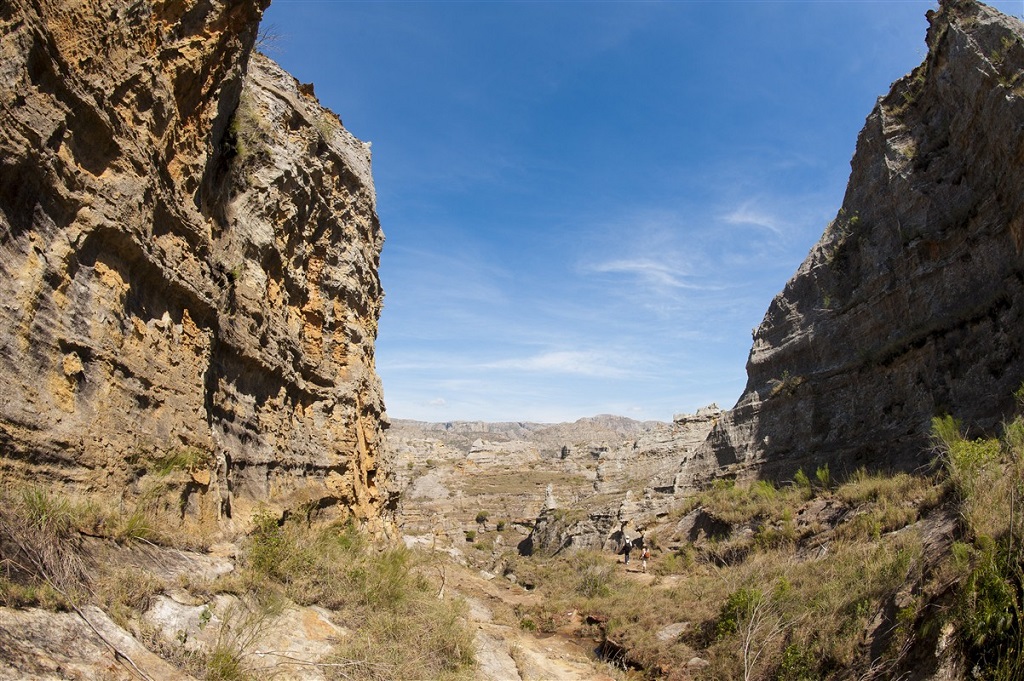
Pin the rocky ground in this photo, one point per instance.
(178, 616)
(850, 575)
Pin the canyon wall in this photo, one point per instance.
(189, 250)
(912, 303)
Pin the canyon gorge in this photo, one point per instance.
(190, 249)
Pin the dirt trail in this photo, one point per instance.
(507, 653)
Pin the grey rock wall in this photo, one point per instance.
(912, 303)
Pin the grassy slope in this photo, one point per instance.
(872, 578)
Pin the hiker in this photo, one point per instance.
(626, 549)
(644, 556)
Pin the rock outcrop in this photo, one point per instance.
(912, 303)
(570, 485)
(189, 250)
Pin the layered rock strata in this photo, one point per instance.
(189, 250)
(573, 485)
(912, 303)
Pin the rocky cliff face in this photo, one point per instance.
(189, 251)
(912, 303)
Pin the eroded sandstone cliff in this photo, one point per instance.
(912, 303)
(189, 250)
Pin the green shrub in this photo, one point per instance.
(764, 489)
(1013, 442)
(737, 503)
(224, 664)
(946, 431)
(481, 517)
(798, 664)
(988, 479)
(675, 563)
(965, 460)
(863, 487)
(15, 594)
(267, 547)
(803, 483)
(130, 526)
(989, 613)
(771, 537)
(737, 607)
(43, 511)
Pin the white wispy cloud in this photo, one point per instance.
(748, 214)
(649, 271)
(577, 362)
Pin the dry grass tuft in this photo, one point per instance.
(40, 548)
(388, 594)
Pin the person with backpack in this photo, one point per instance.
(645, 555)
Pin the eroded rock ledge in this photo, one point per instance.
(189, 251)
(912, 303)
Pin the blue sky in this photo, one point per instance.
(589, 205)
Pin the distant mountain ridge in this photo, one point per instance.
(602, 426)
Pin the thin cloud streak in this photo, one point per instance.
(580, 363)
(654, 273)
(746, 214)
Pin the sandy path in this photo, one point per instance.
(507, 653)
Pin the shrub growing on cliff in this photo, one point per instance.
(186, 459)
(249, 130)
